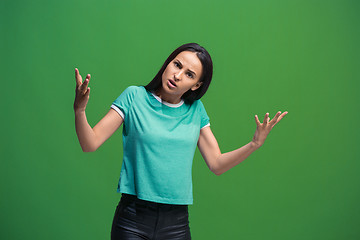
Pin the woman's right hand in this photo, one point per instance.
(82, 92)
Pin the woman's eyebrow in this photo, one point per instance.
(177, 60)
(192, 72)
(182, 65)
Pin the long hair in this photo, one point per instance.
(206, 76)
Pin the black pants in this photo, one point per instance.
(139, 219)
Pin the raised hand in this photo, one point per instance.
(82, 91)
(263, 129)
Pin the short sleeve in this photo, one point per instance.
(205, 120)
(123, 103)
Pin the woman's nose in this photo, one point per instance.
(177, 75)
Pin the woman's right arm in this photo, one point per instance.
(91, 139)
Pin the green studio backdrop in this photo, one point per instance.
(269, 56)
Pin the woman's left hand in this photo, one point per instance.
(263, 129)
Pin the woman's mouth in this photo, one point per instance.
(171, 83)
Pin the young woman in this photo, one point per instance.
(163, 122)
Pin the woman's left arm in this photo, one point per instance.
(219, 162)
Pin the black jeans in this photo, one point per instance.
(139, 219)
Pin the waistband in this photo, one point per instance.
(148, 204)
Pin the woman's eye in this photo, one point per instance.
(176, 64)
(190, 75)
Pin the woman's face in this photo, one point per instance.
(181, 74)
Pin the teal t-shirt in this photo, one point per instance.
(159, 142)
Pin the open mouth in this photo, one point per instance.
(171, 83)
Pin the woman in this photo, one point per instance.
(163, 123)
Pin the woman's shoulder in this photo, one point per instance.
(197, 104)
(133, 90)
(130, 93)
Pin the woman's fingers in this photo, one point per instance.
(78, 78)
(82, 91)
(87, 92)
(84, 86)
(275, 119)
(282, 115)
(278, 116)
(257, 120)
(266, 118)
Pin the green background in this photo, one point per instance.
(269, 56)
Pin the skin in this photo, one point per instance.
(181, 75)
(185, 71)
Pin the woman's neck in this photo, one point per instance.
(173, 99)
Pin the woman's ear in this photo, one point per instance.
(196, 86)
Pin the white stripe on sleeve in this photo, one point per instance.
(207, 125)
(118, 111)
